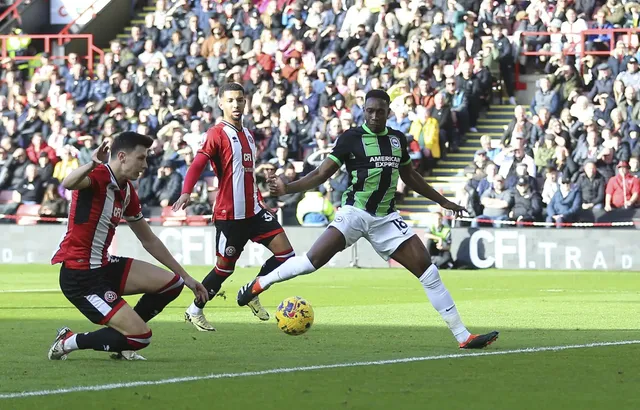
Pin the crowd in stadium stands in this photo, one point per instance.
(306, 67)
(576, 152)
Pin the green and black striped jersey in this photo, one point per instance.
(373, 162)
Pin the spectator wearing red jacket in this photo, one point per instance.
(38, 146)
(623, 189)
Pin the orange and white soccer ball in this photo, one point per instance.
(294, 316)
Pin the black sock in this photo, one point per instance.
(212, 282)
(271, 264)
(103, 340)
(150, 304)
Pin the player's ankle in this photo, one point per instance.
(194, 309)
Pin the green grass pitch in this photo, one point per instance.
(360, 315)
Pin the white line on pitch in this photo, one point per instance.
(29, 290)
(113, 386)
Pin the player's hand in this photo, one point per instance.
(181, 203)
(197, 288)
(276, 186)
(457, 209)
(101, 154)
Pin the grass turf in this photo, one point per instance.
(360, 315)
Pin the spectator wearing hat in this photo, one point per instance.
(565, 204)
(497, 202)
(604, 83)
(630, 77)
(544, 151)
(591, 185)
(632, 138)
(527, 202)
(622, 190)
(168, 184)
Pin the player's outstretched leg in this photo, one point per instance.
(282, 251)
(326, 246)
(414, 256)
(212, 282)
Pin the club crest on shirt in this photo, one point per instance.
(110, 296)
(395, 142)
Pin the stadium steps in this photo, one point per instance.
(125, 35)
(448, 176)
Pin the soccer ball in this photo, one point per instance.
(294, 316)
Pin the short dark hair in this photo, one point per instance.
(128, 141)
(230, 87)
(379, 94)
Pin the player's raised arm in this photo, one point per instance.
(315, 178)
(416, 182)
(79, 177)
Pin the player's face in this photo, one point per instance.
(232, 105)
(376, 112)
(135, 162)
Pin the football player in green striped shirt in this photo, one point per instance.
(375, 157)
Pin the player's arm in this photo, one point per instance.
(156, 248)
(416, 182)
(79, 178)
(312, 180)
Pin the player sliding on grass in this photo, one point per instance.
(375, 156)
(238, 215)
(95, 281)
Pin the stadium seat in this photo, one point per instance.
(28, 214)
(6, 196)
(171, 218)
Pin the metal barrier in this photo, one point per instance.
(48, 39)
(13, 10)
(94, 8)
(573, 50)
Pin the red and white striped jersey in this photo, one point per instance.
(94, 215)
(232, 153)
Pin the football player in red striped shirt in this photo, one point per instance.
(238, 215)
(95, 281)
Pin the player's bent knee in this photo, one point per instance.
(173, 288)
(431, 277)
(139, 341)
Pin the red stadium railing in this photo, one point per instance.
(92, 8)
(13, 10)
(614, 35)
(48, 39)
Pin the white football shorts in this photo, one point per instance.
(384, 233)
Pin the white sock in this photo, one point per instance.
(441, 300)
(194, 310)
(70, 344)
(298, 265)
